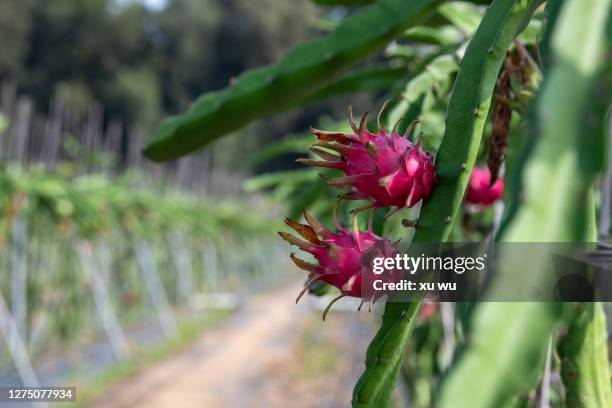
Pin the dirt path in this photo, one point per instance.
(271, 353)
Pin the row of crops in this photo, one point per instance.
(84, 257)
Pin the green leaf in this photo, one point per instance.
(532, 32)
(463, 15)
(437, 70)
(443, 35)
(302, 71)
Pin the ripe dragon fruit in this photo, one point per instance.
(343, 256)
(479, 190)
(384, 167)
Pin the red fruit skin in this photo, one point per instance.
(428, 309)
(383, 167)
(344, 257)
(479, 192)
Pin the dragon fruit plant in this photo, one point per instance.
(538, 72)
(383, 167)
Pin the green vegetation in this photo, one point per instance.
(68, 217)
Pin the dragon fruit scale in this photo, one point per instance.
(344, 256)
(384, 167)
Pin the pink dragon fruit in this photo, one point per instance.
(344, 257)
(428, 309)
(384, 167)
(479, 190)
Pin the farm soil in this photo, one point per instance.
(270, 353)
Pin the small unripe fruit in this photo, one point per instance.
(479, 191)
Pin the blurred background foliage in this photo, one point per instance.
(142, 63)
